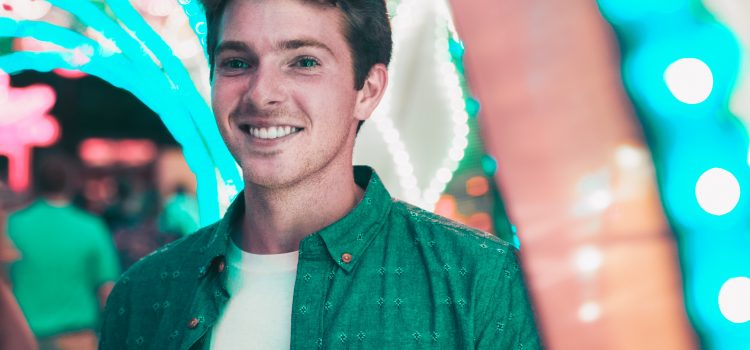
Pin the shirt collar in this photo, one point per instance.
(345, 240)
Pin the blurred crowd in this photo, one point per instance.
(65, 243)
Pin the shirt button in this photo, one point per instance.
(346, 258)
(193, 323)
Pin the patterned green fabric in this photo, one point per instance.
(415, 280)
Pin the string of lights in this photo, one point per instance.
(680, 66)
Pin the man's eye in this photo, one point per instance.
(307, 62)
(234, 64)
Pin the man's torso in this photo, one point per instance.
(388, 276)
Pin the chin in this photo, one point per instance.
(270, 177)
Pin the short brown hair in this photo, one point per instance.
(368, 32)
(56, 174)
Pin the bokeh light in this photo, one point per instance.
(589, 312)
(690, 80)
(477, 186)
(717, 191)
(734, 299)
(588, 259)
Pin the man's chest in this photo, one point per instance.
(387, 306)
(381, 305)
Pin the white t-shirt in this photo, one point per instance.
(259, 313)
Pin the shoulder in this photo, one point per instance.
(439, 230)
(38, 213)
(182, 254)
(452, 245)
(22, 214)
(155, 289)
(173, 266)
(23, 220)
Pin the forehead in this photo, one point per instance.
(265, 22)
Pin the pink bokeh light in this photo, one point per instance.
(24, 123)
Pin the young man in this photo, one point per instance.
(315, 253)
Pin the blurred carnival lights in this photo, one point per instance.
(24, 9)
(589, 312)
(588, 259)
(403, 25)
(630, 157)
(734, 299)
(717, 191)
(690, 80)
(24, 123)
(121, 47)
(143, 64)
(680, 75)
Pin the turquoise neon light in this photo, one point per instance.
(166, 87)
(687, 140)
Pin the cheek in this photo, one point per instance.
(221, 99)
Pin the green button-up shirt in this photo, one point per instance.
(386, 276)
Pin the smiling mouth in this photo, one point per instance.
(269, 133)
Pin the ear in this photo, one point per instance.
(372, 92)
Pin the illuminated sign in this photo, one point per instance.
(24, 123)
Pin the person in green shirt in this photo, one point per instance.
(67, 264)
(292, 81)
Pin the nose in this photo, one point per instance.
(266, 87)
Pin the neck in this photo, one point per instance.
(59, 200)
(276, 220)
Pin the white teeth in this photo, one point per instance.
(273, 132)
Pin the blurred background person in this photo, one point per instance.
(142, 235)
(176, 184)
(15, 332)
(67, 262)
(180, 216)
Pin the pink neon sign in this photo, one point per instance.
(24, 123)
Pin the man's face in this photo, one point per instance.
(283, 89)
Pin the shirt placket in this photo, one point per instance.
(310, 290)
(210, 298)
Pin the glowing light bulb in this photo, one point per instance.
(589, 312)
(734, 299)
(717, 191)
(690, 80)
(629, 157)
(588, 259)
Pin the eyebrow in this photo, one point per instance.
(232, 46)
(300, 43)
(286, 45)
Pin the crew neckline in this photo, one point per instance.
(263, 263)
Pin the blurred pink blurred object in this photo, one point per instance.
(24, 123)
(576, 174)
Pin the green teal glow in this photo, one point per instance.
(165, 88)
(686, 140)
(516, 242)
(489, 165)
(472, 107)
(456, 48)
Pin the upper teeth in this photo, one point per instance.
(272, 132)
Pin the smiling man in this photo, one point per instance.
(315, 253)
